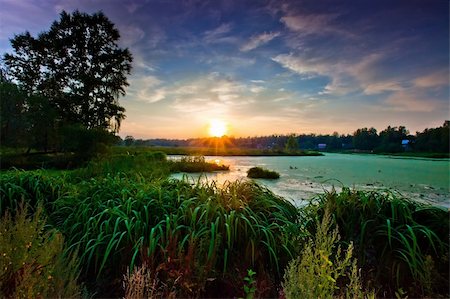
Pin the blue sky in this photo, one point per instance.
(269, 67)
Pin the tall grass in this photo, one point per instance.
(201, 230)
(397, 241)
(194, 238)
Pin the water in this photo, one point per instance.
(302, 177)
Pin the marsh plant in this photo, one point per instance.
(324, 269)
(33, 260)
(262, 173)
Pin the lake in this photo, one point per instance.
(303, 177)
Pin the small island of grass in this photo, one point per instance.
(196, 164)
(261, 173)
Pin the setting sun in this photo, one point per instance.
(217, 128)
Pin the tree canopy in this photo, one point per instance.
(77, 66)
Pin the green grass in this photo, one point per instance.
(397, 241)
(122, 212)
(261, 173)
(196, 164)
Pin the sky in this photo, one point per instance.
(269, 67)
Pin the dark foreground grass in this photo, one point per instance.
(199, 240)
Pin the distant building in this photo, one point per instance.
(321, 146)
(406, 144)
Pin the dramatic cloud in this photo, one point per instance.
(269, 66)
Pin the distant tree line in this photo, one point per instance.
(59, 91)
(390, 140)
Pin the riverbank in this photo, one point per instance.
(429, 155)
(213, 151)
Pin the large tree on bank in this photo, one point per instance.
(78, 66)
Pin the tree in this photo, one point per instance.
(129, 140)
(391, 139)
(12, 118)
(365, 139)
(291, 143)
(76, 65)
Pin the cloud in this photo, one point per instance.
(300, 65)
(435, 79)
(412, 101)
(258, 40)
(218, 35)
(380, 87)
(147, 89)
(317, 24)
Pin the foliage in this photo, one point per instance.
(85, 143)
(76, 65)
(250, 284)
(200, 230)
(365, 139)
(321, 266)
(394, 238)
(190, 239)
(261, 173)
(291, 143)
(12, 115)
(196, 164)
(433, 140)
(391, 139)
(33, 262)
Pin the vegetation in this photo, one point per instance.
(69, 80)
(113, 224)
(323, 267)
(211, 151)
(196, 164)
(399, 244)
(33, 261)
(389, 140)
(261, 173)
(127, 222)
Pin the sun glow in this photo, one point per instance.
(217, 128)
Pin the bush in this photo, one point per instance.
(33, 263)
(261, 173)
(322, 267)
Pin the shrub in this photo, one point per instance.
(261, 173)
(322, 266)
(33, 263)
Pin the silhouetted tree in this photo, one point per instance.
(365, 139)
(129, 140)
(433, 140)
(76, 65)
